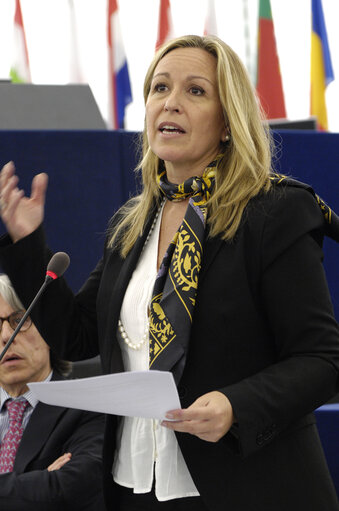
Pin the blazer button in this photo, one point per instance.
(181, 391)
(260, 439)
(267, 435)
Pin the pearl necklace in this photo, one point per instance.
(124, 336)
(153, 223)
(127, 341)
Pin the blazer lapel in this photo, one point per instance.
(124, 273)
(36, 434)
(210, 250)
(37, 431)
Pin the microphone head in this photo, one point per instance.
(58, 265)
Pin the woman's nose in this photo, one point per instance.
(172, 103)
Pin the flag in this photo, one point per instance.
(75, 70)
(211, 19)
(165, 26)
(321, 65)
(19, 71)
(120, 94)
(269, 84)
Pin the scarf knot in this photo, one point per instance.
(199, 188)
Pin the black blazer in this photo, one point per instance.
(263, 333)
(50, 432)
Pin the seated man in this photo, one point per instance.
(50, 456)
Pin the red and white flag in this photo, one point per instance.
(120, 94)
(211, 19)
(165, 25)
(19, 71)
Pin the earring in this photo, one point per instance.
(227, 134)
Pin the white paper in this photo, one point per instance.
(147, 394)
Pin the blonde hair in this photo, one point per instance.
(242, 172)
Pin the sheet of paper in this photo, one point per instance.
(147, 394)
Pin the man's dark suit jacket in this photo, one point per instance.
(263, 333)
(51, 432)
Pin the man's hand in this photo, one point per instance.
(60, 462)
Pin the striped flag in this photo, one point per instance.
(269, 84)
(19, 71)
(321, 65)
(120, 94)
(165, 26)
(211, 19)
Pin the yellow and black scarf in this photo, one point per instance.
(330, 217)
(176, 284)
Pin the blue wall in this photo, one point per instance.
(91, 175)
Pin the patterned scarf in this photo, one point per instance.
(331, 219)
(176, 284)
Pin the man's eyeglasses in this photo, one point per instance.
(14, 319)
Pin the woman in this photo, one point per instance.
(234, 303)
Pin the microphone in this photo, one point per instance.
(56, 268)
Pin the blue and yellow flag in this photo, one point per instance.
(321, 65)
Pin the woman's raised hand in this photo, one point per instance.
(20, 214)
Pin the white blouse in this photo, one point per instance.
(146, 450)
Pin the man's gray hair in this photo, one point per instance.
(9, 295)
